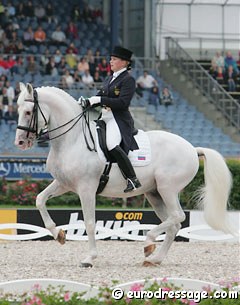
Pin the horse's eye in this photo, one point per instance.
(28, 113)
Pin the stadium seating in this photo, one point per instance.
(180, 118)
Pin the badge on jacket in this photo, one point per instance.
(116, 90)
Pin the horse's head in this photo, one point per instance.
(30, 123)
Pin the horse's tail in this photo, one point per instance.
(215, 194)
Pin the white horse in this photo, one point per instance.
(75, 168)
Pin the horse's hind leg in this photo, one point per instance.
(52, 190)
(171, 216)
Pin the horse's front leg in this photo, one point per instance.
(88, 203)
(52, 190)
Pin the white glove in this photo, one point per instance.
(95, 100)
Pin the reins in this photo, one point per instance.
(33, 125)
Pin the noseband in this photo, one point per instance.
(33, 125)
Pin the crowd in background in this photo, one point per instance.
(64, 63)
(225, 69)
(33, 54)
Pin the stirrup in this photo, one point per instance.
(132, 184)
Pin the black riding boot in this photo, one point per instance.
(126, 168)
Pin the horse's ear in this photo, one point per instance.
(22, 86)
(29, 88)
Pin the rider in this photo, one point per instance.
(115, 98)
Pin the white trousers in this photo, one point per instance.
(113, 135)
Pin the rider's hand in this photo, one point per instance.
(95, 100)
(82, 101)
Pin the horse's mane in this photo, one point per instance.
(59, 91)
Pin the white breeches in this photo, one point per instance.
(113, 135)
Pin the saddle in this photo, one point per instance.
(140, 157)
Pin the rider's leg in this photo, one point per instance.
(113, 137)
(126, 167)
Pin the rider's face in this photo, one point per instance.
(117, 63)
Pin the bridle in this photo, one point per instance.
(33, 124)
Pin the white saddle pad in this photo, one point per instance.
(139, 157)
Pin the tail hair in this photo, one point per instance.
(214, 195)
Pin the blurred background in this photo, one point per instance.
(186, 64)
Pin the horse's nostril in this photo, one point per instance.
(21, 142)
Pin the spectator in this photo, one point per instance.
(230, 78)
(104, 68)
(50, 13)
(68, 79)
(220, 75)
(2, 32)
(40, 13)
(77, 78)
(238, 61)
(97, 15)
(90, 60)
(62, 66)
(9, 31)
(20, 47)
(29, 10)
(39, 35)
(20, 11)
(57, 57)
(82, 66)
(154, 96)
(10, 93)
(71, 60)
(51, 67)
(97, 80)
(11, 11)
(76, 14)
(230, 61)
(87, 13)
(2, 13)
(12, 48)
(97, 58)
(145, 82)
(12, 64)
(87, 79)
(4, 65)
(58, 36)
(72, 31)
(28, 36)
(5, 105)
(217, 60)
(44, 60)
(72, 49)
(166, 98)
(32, 66)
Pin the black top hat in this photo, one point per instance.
(122, 53)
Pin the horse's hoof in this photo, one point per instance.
(86, 265)
(148, 250)
(61, 238)
(149, 264)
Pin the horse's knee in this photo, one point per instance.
(90, 228)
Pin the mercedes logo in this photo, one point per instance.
(4, 169)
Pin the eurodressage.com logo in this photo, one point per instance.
(5, 169)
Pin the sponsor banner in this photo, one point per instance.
(109, 219)
(18, 168)
(8, 216)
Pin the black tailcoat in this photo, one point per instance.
(117, 95)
